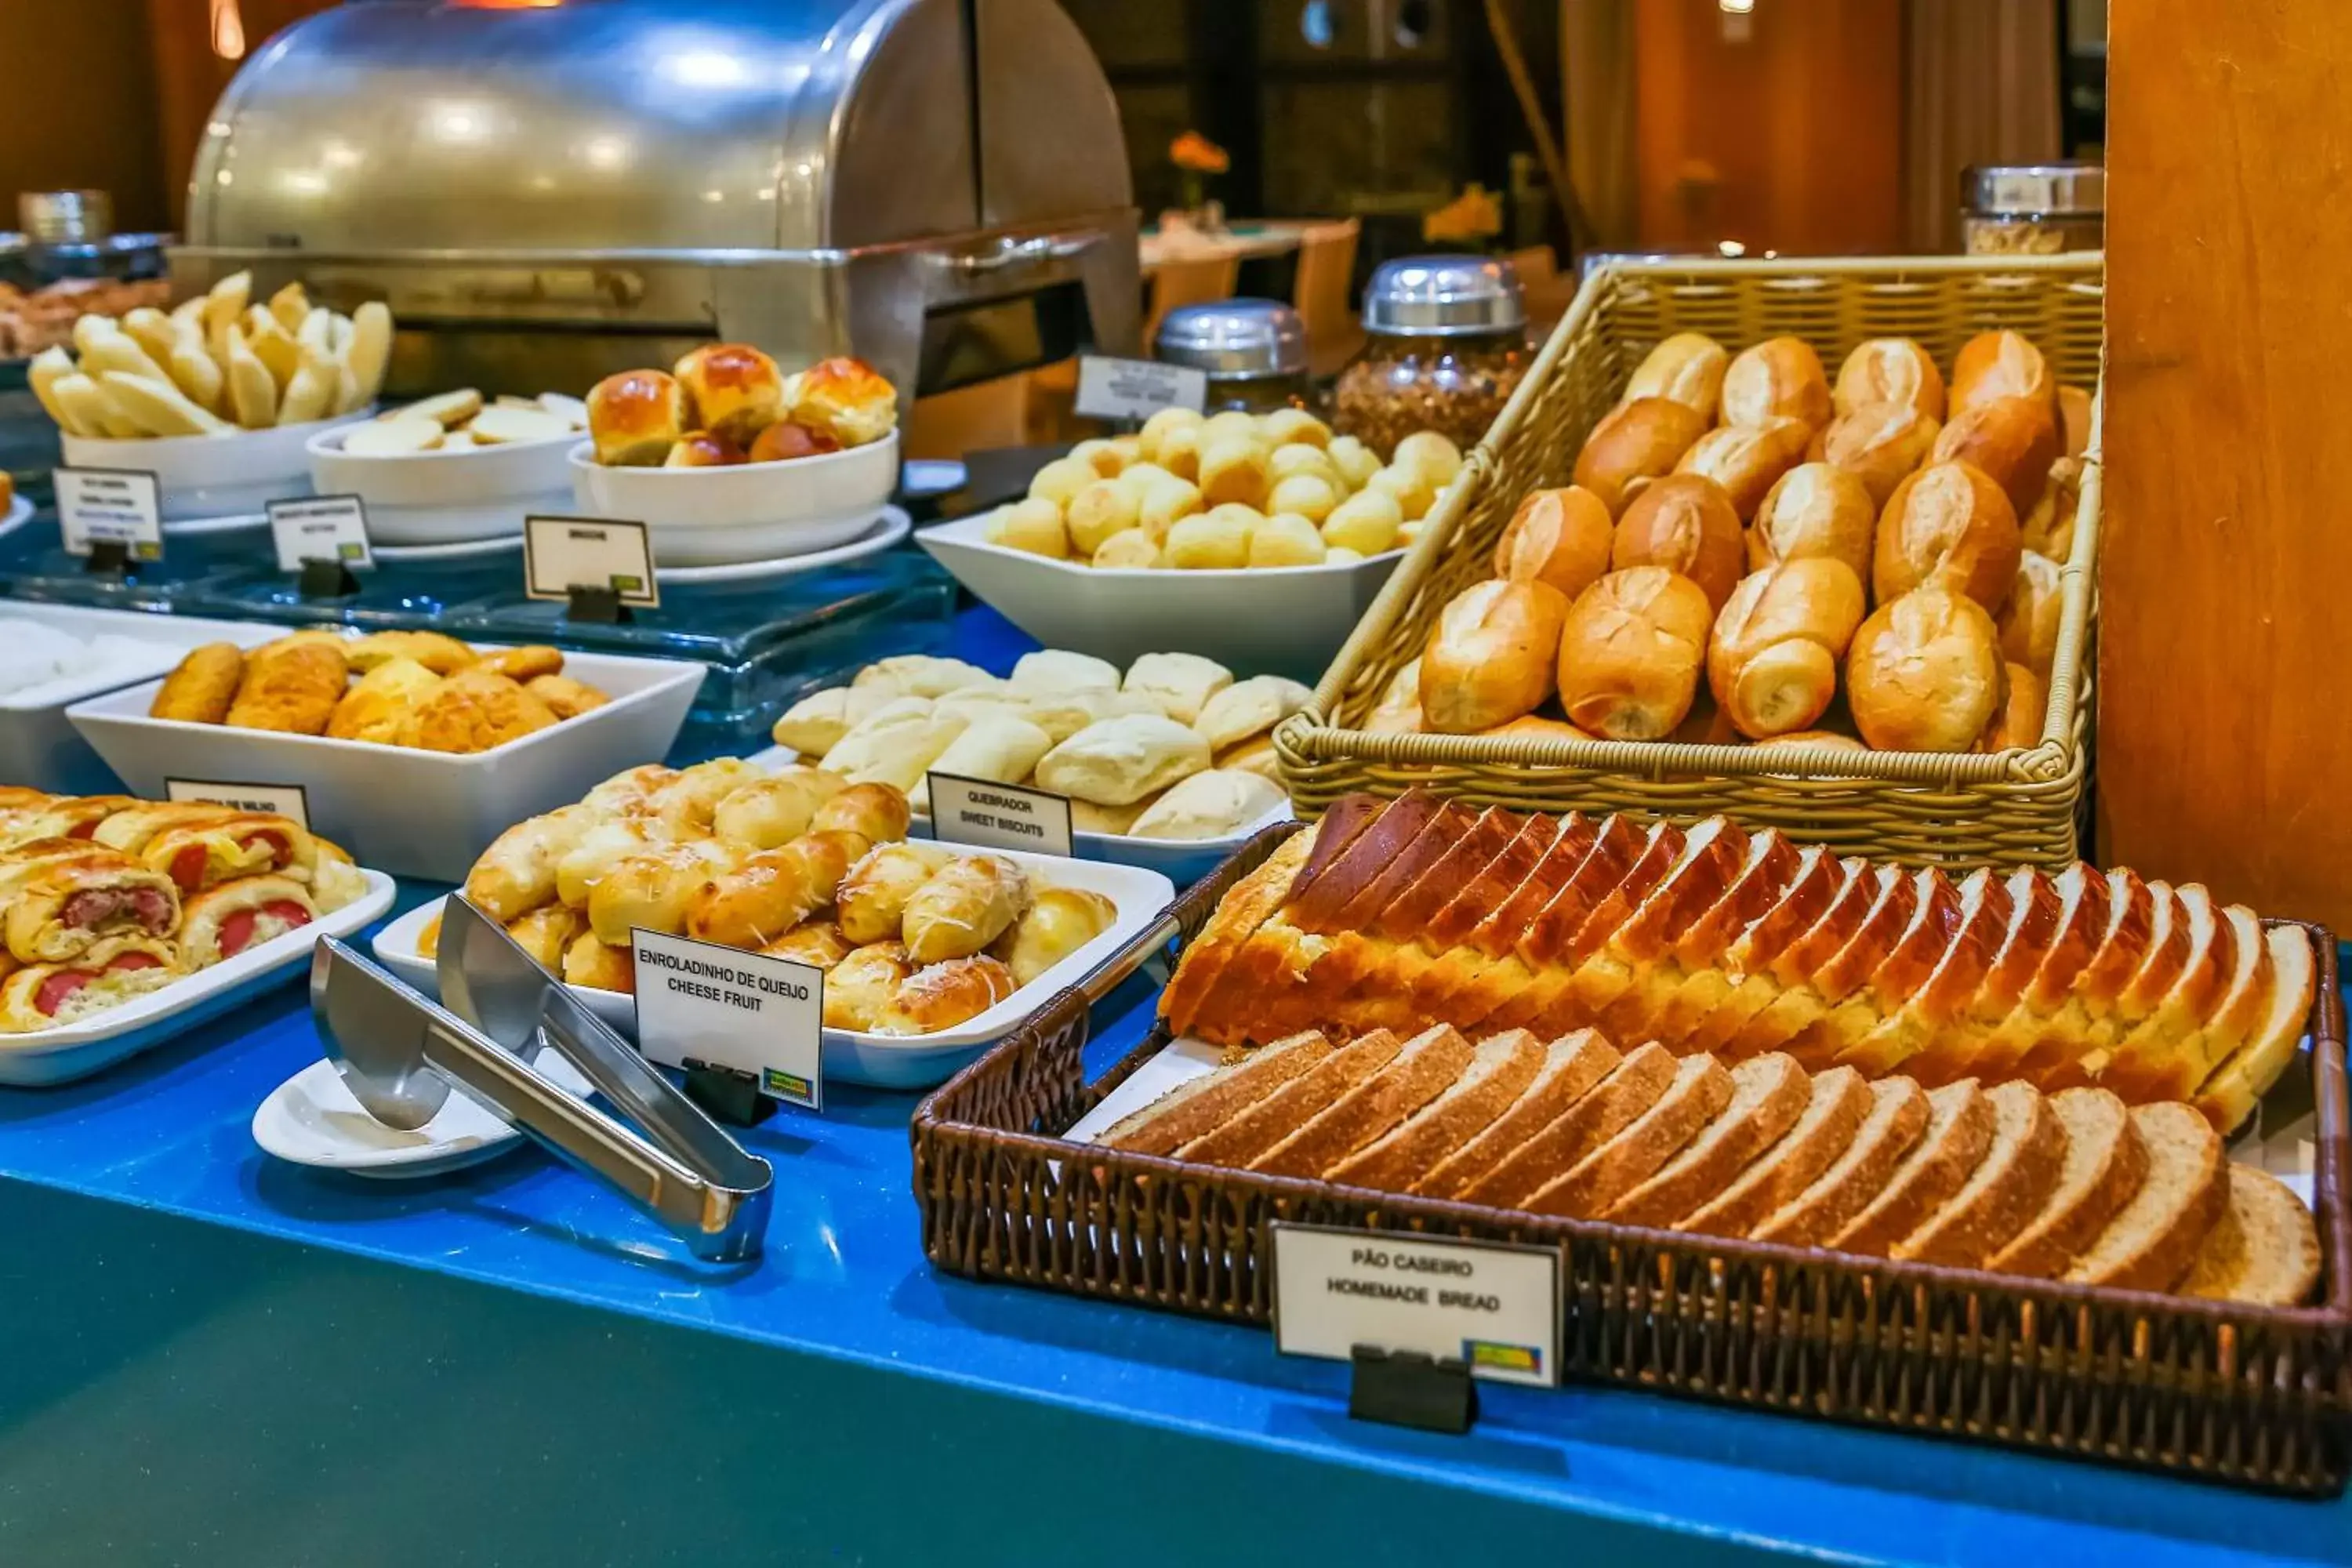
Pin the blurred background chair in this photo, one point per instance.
(1324, 292)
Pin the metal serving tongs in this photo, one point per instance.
(400, 1054)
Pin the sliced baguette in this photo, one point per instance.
(1700, 1089)
(1959, 1130)
(1198, 1108)
(2155, 1239)
(1571, 1066)
(1631, 1088)
(1769, 1094)
(1274, 1118)
(2012, 1184)
(2264, 1250)
(1499, 1068)
(2104, 1162)
(1421, 1069)
(1835, 1107)
(2228, 1095)
(1897, 1116)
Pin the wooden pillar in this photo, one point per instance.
(2225, 693)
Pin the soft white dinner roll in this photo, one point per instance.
(996, 747)
(921, 675)
(1064, 713)
(1122, 760)
(895, 745)
(1212, 805)
(1249, 708)
(1052, 670)
(1180, 682)
(816, 724)
(978, 702)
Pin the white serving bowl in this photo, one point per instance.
(744, 512)
(411, 813)
(214, 475)
(1272, 620)
(456, 496)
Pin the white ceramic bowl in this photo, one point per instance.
(214, 475)
(1275, 620)
(412, 813)
(456, 496)
(745, 511)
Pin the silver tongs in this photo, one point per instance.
(400, 1054)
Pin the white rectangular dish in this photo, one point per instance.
(895, 1061)
(1270, 620)
(73, 1051)
(413, 812)
(38, 744)
(1183, 861)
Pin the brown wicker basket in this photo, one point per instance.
(2021, 806)
(2258, 1397)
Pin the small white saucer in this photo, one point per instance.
(19, 513)
(465, 550)
(312, 1119)
(892, 526)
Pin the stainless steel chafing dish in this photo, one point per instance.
(545, 195)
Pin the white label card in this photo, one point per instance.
(701, 1005)
(1136, 388)
(288, 801)
(560, 554)
(1494, 1308)
(998, 817)
(325, 528)
(110, 506)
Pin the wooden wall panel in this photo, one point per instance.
(78, 109)
(2225, 711)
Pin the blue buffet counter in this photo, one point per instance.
(210, 1357)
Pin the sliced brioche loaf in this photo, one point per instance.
(1700, 1089)
(1571, 1066)
(1776, 868)
(1825, 887)
(1252, 902)
(1769, 1094)
(1420, 1071)
(2104, 1163)
(1835, 1105)
(2264, 1250)
(1631, 1088)
(1275, 1117)
(1199, 1107)
(2012, 1184)
(1897, 1116)
(2154, 1240)
(2227, 1096)
(1959, 1130)
(1499, 1068)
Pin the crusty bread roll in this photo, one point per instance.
(1630, 653)
(2074, 420)
(1772, 659)
(1880, 444)
(635, 418)
(1398, 712)
(1559, 536)
(1780, 378)
(2001, 364)
(1925, 672)
(1490, 655)
(1687, 368)
(2029, 620)
(2050, 526)
(2014, 439)
(1634, 443)
(1685, 524)
(1816, 510)
(1829, 738)
(2023, 706)
(1949, 521)
(1535, 726)
(1747, 460)
(1890, 369)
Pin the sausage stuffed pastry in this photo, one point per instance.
(61, 895)
(45, 995)
(199, 846)
(67, 816)
(227, 920)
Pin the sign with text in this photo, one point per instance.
(1494, 1308)
(1136, 388)
(322, 527)
(701, 1005)
(560, 554)
(110, 506)
(288, 801)
(998, 817)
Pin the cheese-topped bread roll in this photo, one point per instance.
(1058, 922)
(595, 850)
(1122, 760)
(382, 705)
(544, 933)
(1051, 671)
(859, 987)
(629, 789)
(235, 915)
(1181, 683)
(943, 995)
(1248, 708)
(517, 873)
(965, 906)
(871, 902)
(817, 943)
(772, 892)
(112, 972)
(656, 888)
(1209, 804)
(293, 689)
(201, 690)
(877, 813)
(600, 965)
(767, 812)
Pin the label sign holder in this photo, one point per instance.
(112, 516)
(739, 1024)
(989, 816)
(1136, 388)
(325, 540)
(599, 568)
(291, 801)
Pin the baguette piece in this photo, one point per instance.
(2228, 1095)
(1889, 1130)
(1837, 1103)
(1769, 1094)
(2103, 1163)
(2264, 1250)
(1961, 1123)
(2155, 1239)
(1700, 1089)
(2012, 1184)
(1571, 1066)
(1612, 1104)
(1499, 1068)
(1273, 1118)
(1419, 1071)
(1193, 1110)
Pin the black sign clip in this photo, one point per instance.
(601, 605)
(1405, 1388)
(323, 579)
(108, 558)
(729, 1096)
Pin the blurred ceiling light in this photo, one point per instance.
(1730, 247)
(228, 30)
(705, 68)
(1736, 7)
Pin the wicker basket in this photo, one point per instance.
(2020, 806)
(2253, 1396)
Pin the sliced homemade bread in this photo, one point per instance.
(2227, 1096)
(1769, 1094)
(1775, 868)
(2264, 1250)
(1443, 990)
(1197, 1108)
(2104, 1165)
(2011, 1183)
(1700, 1089)
(1571, 1066)
(1836, 1104)
(1419, 1073)
(1499, 1068)
(2155, 1239)
(1897, 1116)
(1826, 888)
(1616, 1100)
(1309, 1095)
(1959, 1130)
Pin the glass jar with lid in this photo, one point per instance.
(1253, 351)
(2034, 209)
(1444, 346)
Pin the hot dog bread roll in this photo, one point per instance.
(69, 817)
(1059, 923)
(202, 686)
(859, 987)
(61, 895)
(943, 995)
(112, 972)
(201, 847)
(773, 811)
(237, 916)
(293, 689)
(871, 902)
(964, 907)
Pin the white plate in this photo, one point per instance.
(1182, 861)
(38, 744)
(743, 511)
(472, 549)
(414, 813)
(464, 494)
(1277, 620)
(69, 1051)
(890, 1061)
(19, 513)
(312, 1119)
(887, 530)
(212, 476)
